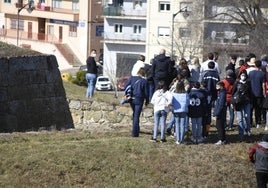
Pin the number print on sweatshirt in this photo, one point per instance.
(195, 102)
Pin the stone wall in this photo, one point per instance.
(87, 112)
(32, 94)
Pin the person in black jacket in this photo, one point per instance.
(161, 68)
(91, 75)
(198, 104)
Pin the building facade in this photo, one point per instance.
(124, 35)
(77, 24)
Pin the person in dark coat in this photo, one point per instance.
(220, 113)
(161, 68)
(139, 95)
(210, 79)
(198, 104)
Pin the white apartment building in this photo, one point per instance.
(76, 24)
(124, 35)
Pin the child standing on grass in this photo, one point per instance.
(196, 109)
(161, 100)
(180, 104)
(258, 154)
(220, 112)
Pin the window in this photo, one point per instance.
(75, 5)
(185, 33)
(163, 32)
(137, 4)
(188, 5)
(72, 31)
(50, 29)
(99, 30)
(7, 1)
(164, 6)
(56, 3)
(137, 29)
(14, 24)
(118, 28)
(41, 1)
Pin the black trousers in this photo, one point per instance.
(262, 179)
(257, 107)
(220, 125)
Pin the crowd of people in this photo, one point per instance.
(194, 92)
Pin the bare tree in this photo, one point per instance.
(249, 15)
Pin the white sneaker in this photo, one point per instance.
(219, 143)
(177, 142)
(258, 126)
(266, 128)
(248, 133)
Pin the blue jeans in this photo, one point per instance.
(231, 114)
(91, 82)
(171, 122)
(197, 127)
(150, 88)
(244, 112)
(136, 105)
(180, 122)
(160, 118)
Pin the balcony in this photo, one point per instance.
(121, 11)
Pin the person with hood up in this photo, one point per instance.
(258, 154)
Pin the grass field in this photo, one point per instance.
(101, 158)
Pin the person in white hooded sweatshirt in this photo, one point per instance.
(139, 64)
(161, 100)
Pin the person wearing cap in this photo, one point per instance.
(258, 154)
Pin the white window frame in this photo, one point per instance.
(56, 3)
(163, 31)
(164, 6)
(50, 29)
(72, 31)
(14, 24)
(137, 29)
(118, 28)
(75, 5)
(137, 3)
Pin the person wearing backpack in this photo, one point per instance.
(139, 94)
(228, 84)
(242, 90)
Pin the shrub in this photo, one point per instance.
(80, 78)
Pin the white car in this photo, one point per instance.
(103, 83)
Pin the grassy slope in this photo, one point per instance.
(114, 159)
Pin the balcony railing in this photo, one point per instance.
(112, 11)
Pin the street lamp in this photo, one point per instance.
(185, 14)
(29, 9)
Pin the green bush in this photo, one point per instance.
(80, 78)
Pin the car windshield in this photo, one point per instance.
(103, 79)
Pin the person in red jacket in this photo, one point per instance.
(258, 154)
(228, 84)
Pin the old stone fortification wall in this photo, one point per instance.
(32, 95)
(87, 112)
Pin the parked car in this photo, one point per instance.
(103, 83)
(121, 83)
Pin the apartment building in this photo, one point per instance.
(72, 23)
(205, 28)
(124, 35)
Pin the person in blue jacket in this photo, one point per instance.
(220, 112)
(139, 94)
